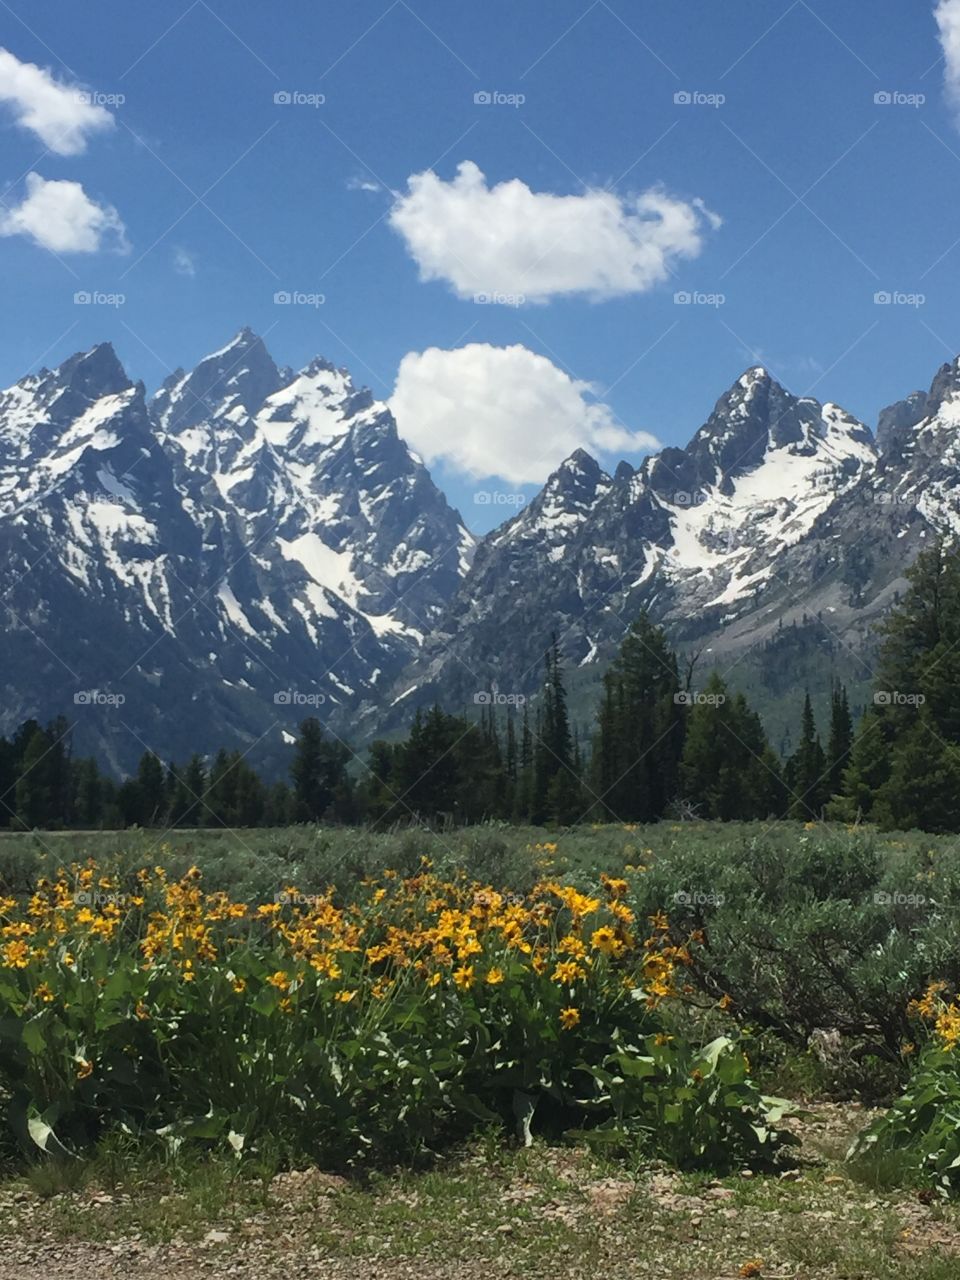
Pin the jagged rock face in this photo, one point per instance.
(254, 531)
(778, 508)
(250, 532)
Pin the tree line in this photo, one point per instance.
(660, 747)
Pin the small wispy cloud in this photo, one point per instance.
(184, 262)
(363, 184)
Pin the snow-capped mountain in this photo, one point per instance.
(780, 512)
(255, 544)
(252, 545)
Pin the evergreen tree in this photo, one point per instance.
(152, 791)
(840, 740)
(728, 770)
(34, 793)
(806, 771)
(556, 787)
(87, 801)
(428, 773)
(902, 764)
(640, 727)
(318, 769)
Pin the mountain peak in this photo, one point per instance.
(582, 462)
(94, 373)
(234, 380)
(945, 385)
(756, 373)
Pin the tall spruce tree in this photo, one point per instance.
(902, 769)
(728, 770)
(840, 740)
(557, 793)
(640, 728)
(806, 771)
(318, 770)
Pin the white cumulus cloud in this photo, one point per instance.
(61, 115)
(947, 14)
(502, 411)
(507, 239)
(60, 216)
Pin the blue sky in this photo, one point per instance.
(797, 198)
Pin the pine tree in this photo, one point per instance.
(728, 770)
(152, 791)
(806, 771)
(318, 769)
(34, 794)
(841, 739)
(915, 709)
(640, 728)
(556, 788)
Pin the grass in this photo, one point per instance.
(491, 1209)
(495, 1210)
